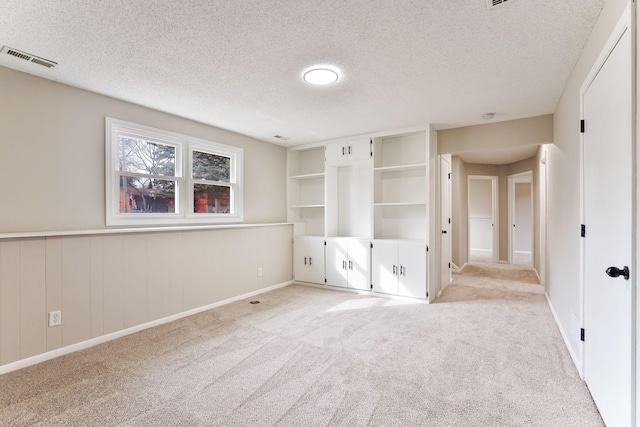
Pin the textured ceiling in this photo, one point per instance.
(237, 64)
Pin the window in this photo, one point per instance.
(146, 183)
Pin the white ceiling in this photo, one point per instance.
(237, 64)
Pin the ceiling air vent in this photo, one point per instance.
(492, 4)
(28, 57)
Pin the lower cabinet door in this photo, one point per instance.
(309, 259)
(359, 264)
(336, 262)
(384, 262)
(412, 271)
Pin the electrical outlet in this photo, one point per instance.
(55, 318)
(259, 271)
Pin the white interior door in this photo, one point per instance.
(607, 212)
(520, 202)
(445, 220)
(482, 203)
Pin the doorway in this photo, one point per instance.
(520, 206)
(483, 218)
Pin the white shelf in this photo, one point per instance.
(399, 168)
(306, 206)
(400, 204)
(307, 176)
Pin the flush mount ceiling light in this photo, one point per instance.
(488, 116)
(320, 76)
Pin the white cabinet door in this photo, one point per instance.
(336, 153)
(412, 273)
(308, 262)
(359, 264)
(348, 151)
(358, 149)
(384, 263)
(336, 262)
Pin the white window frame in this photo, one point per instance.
(184, 145)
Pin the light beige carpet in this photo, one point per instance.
(485, 354)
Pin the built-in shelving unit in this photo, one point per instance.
(306, 191)
(400, 187)
(360, 209)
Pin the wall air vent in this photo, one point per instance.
(27, 57)
(492, 4)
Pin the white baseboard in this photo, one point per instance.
(459, 269)
(574, 357)
(23, 363)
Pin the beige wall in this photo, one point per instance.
(52, 170)
(52, 154)
(496, 136)
(107, 283)
(563, 173)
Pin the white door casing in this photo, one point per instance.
(607, 213)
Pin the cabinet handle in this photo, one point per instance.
(394, 270)
(309, 260)
(402, 270)
(350, 265)
(349, 149)
(343, 151)
(344, 264)
(305, 260)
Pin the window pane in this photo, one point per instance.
(211, 198)
(142, 195)
(139, 156)
(211, 167)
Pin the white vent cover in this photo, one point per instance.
(27, 57)
(492, 4)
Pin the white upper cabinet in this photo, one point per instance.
(352, 150)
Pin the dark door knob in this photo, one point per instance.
(617, 272)
(444, 231)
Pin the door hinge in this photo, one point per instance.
(427, 248)
(371, 245)
(583, 230)
(325, 243)
(325, 280)
(449, 220)
(427, 293)
(449, 265)
(581, 334)
(449, 175)
(371, 286)
(581, 126)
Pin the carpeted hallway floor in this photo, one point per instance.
(488, 353)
